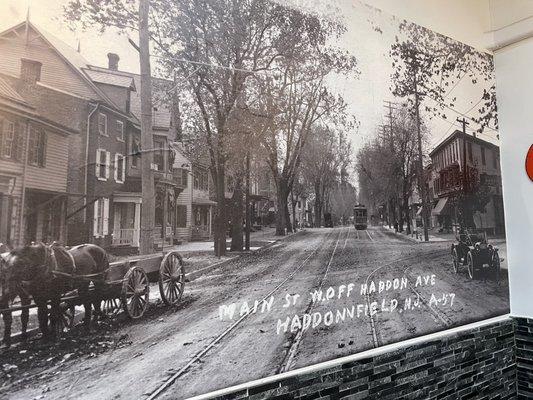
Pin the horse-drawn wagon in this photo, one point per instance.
(117, 286)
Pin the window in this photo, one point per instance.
(494, 160)
(101, 217)
(469, 148)
(181, 176)
(9, 139)
(102, 124)
(159, 157)
(120, 170)
(37, 147)
(483, 160)
(120, 130)
(201, 180)
(135, 151)
(181, 217)
(102, 164)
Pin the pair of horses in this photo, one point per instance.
(46, 273)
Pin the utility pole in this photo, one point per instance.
(247, 199)
(388, 105)
(421, 180)
(147, 177)
(394, 199)
(464, 123)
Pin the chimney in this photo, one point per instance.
(30, 71)
(113, 60)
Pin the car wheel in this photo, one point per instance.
(455, 258)
(472, 273)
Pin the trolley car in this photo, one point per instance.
(360, 217)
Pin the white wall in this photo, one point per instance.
(463, 20)
(514, 83)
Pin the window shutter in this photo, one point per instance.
(123, 177)
(97, 163)
(107, 163)
(18, 142)
(1, 137)
(95, 218)
(105, 222)
(42, 149)
(116, 168)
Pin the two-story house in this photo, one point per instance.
(34, 140)
(96, 158)
(466, 163)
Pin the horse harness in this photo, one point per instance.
(51, 257)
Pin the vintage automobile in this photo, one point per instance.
(473, 250)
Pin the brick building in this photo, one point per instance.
(483, 172)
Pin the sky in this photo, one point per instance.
(365, 94)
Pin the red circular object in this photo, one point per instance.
(529, 163)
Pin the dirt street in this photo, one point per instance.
(318, 295)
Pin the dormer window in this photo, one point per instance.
(30, 71)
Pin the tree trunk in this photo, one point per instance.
(288, 218)
(318, 206)
(147, 176)
(221, 221)
(293, 204)
(280, 218)
(237, 215)
(405, 210)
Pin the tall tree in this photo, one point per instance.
(293, 101)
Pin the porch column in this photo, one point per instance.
(165, 213)
(209, 220)
(137, 224)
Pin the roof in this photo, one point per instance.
(41, 103)
(200, 201)
(470, 138)
(160, 113)
(109, 78)
(7, 92)
(69, 55)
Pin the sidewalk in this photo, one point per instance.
(200, 259)
(418, 236)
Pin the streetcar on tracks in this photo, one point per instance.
(360, 217)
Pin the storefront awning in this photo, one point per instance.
(440, 208)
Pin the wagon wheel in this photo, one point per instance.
(497, 267)
(135, 292)
(171, 278)
(472, 273)
(111, 307)
(455, 258)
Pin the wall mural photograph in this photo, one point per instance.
(276, 185)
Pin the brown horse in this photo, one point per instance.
(51, 271)
(6, 300)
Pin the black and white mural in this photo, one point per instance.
(298, 181)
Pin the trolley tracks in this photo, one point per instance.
(199, 355)
(376, 338)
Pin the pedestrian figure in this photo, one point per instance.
(396, 226)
